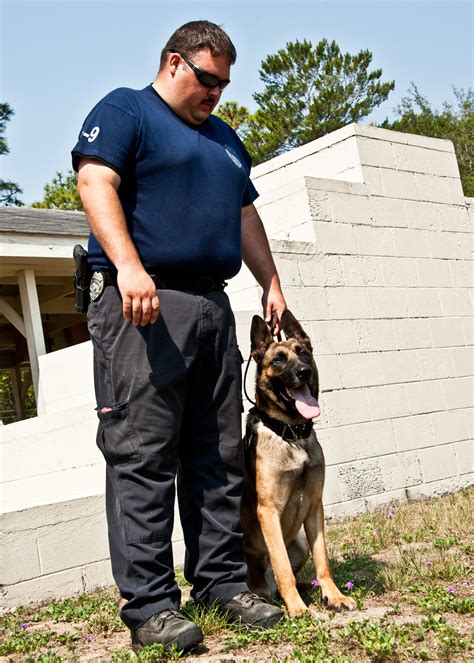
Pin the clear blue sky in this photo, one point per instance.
(59, 58)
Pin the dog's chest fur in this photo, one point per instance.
(296, 457)
(289, 470)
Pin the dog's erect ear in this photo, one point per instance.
(260, 338)
(293, 329)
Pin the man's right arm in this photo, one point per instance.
(97, 186)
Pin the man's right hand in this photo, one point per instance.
(140, 299)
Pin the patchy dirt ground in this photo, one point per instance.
(410, 572)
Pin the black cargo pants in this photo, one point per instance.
(174, 389)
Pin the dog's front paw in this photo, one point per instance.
(297, 611)
(341, 602)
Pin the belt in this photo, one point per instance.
(199, 285)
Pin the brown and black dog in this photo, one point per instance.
(285, 470)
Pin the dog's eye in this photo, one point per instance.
(301, 352)
(279, 359)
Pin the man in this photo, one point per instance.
(166, 190)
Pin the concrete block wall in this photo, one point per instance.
(54, 550)
(396, 402)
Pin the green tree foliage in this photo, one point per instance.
(8, 190)
(61, 193)
(308, 93)
(457, 124)
(7, 400)
(235, 115)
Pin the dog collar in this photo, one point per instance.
(285, 431)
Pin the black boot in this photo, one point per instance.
(252, 610)
(167, 628)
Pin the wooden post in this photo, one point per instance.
(12, 316)
(33, 327)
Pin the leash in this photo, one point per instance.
(245, 381)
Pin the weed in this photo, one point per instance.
(444, 543)
(438, 599)
(97, 611)
(365, 570)
(376, 638)
(157, 652)
(49, 657)
(79, 608)
(68, 638)
(25, 642)
(295, 631)
(315, 647)
(149, 654)
(122, 656)
(423, 654)
(180, 579)
(209, 619)
(447, 638)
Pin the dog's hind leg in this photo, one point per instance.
(298, 552)
(260, 578)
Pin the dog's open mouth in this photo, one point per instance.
(305, 402)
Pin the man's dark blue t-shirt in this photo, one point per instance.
(182, 186)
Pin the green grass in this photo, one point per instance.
(148, 654)
(410, 561)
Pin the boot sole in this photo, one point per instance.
(185, 641)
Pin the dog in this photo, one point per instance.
(283, 484)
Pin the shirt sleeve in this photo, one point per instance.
(109, 134)
(250, 193)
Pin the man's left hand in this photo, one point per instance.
(273, 306)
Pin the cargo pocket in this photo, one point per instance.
(116, 437)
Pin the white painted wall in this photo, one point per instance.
(66, 378)
(376, 263)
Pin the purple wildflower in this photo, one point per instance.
(350, 585)
(390, 512)
(25, 625)
(89, 637)
(451, 590)
(315, 583)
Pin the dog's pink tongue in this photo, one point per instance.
(305, 403)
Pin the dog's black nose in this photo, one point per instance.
(303, 373)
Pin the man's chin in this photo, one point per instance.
(201, 114)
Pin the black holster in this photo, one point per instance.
(82, 278)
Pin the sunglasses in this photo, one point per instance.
(204, 77)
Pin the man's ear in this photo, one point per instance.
(173, 63)
(260, 338)
(293, 329)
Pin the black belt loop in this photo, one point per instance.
(199, 285)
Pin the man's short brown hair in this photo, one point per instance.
(197, 36)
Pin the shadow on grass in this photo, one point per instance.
(358, 572)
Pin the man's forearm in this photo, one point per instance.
(258, 258)
(256, 249)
